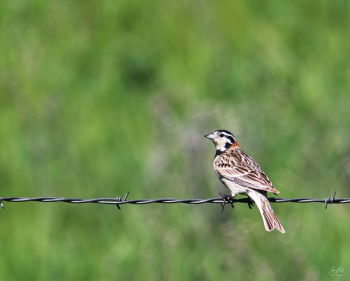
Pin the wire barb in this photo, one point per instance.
(329, 200)
(119, 199)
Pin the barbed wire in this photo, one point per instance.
(223, 200)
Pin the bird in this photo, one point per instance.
(241, 174)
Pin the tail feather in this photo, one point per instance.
(270, 220)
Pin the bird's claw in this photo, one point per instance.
(226, 199)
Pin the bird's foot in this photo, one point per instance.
(226, 199)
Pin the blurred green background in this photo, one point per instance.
(98, 98)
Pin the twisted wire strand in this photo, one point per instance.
(218, 200)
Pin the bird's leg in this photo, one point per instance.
(226, 198)
(250, 203)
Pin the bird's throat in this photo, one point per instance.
(226, 147)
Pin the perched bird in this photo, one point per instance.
(241, 174)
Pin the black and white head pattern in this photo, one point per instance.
(222, 139)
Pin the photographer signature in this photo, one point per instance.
(336, 271)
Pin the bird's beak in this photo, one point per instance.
(209, 136)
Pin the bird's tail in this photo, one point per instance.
(269, 218)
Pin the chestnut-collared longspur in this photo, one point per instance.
(241, 174)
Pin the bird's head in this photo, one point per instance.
(222, 140)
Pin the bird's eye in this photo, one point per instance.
(221, 135)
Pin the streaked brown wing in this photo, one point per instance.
(243, 170)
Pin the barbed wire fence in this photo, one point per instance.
(223, 200)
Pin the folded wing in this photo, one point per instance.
(243, 170)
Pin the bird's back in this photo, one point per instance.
(237, 166)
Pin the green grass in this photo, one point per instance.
(102, 97)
